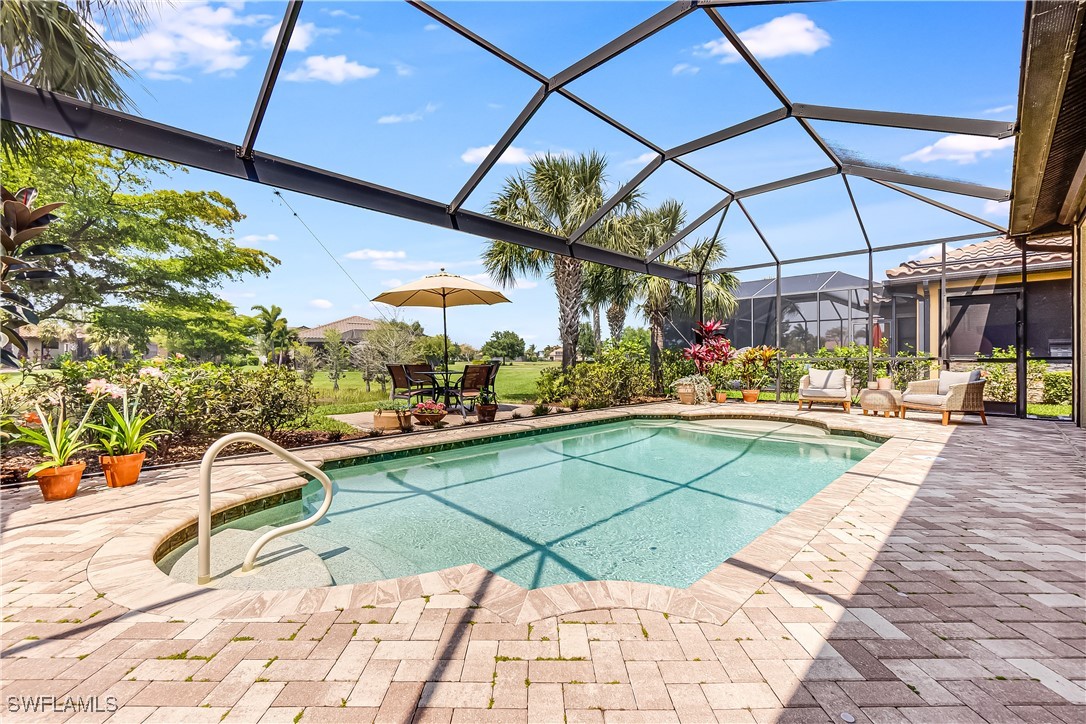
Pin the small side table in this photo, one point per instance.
(884, 401)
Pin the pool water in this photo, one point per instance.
(658, 501)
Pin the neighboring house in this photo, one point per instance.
(555, 355)
(985, 301)
(351, 330)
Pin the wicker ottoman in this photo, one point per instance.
(884, 401)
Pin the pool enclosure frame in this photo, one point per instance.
(68, 116)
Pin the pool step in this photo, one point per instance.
(283, 563)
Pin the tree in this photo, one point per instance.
(52, 332)
(468, 352)
(586, 341)
(306, 362)
(336, 356)
(508, 344)
(275, 334)
(659, 296)
(57, 46)
(637, 335)
(531, 354)
(135, 248)
(557, 195)
(613, 288)
(208, 334)
(433, 348)
(388, 343)
(106, 341)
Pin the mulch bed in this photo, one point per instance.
(18, 459)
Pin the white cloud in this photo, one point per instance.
(792, 34)
(337, 13)
(997, 208)
(429, 27)
(408, 117)
(372, 254)
(960, 148)
(512, 155)
(391, 282)
(320, 303)
(999, 109)
(640, 160)
(926, 252)
(303, 36)
(258, 238)
(685, 69)
(403, 69)
(187, 36)
(335, 69)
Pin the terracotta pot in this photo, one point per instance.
(60, 483)
(429, 418)
(885, 383)
(386, 420)
(751, 395)
(686, 394)
(722, 396)
(122, 470)
(486, 413)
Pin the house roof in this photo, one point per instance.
(347, 324)
(993, 255)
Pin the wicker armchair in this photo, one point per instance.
(825, 395)
(964, 397)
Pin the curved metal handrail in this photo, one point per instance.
(203, 574)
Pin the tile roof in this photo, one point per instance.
(1000, 254)
(347, 324)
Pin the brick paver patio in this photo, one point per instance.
(942, 580)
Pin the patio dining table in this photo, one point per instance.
(446, 376)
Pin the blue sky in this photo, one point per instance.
(378, 91)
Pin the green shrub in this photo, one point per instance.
(619, 375)
(673, 366)
(1003, 376)
(1057, 388)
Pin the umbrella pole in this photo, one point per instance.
(445, 332)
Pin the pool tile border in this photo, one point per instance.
(122, 568)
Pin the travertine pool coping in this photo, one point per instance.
(123, 569)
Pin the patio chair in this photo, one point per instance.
(404, 387)
(952, 392)
(495, 365)
(825, 387)
(475, 379)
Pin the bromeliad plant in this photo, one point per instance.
(57, 439)
(125, 433)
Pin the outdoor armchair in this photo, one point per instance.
(475, 379)
(951, 392)
(825, 387)
(406, 387)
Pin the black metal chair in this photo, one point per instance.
(405, 387)
(473, 382)
(495, 365)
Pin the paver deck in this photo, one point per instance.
(943, 579)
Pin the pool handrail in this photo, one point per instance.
(203, 574)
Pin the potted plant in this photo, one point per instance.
(486, 407)
(753, 366)
(125, 442)
(692, 389)
(59, 441)
(711, 356)
(428, 412)
(392, 415)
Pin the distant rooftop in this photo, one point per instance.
(993, 255)
(348, 327)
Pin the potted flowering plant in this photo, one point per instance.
(429, 412)
(754, 364)
(692, 389)
(392, 415)
(59, 441)
(713, 352)
(125, 440)
(486, 406)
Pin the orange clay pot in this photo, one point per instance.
(122, 470)
(721, 396)
(751, 395)
(60, 483)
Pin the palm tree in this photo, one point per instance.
(101, 340)
(58, 46)
(556, 195)
(613, 288)
(272, 326)
(659, 296)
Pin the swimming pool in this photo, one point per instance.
(658, 501)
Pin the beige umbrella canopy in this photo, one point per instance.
(441, 290)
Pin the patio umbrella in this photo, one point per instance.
(441, 290)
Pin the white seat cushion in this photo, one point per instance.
(927, 400)
(946, 379)
(826, 379)
(813, 392)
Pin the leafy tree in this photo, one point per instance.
(52, 332)
(336, 356)
(136, 249)
(306, 362)
(556, 195)
(586, 341)
(506, 344)
(391, 342)
(468, 352)
(107, 341)
(531, 354)
(208, 334)
(271, 326)
(637, 335)
(433, 348)
(58, 46)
